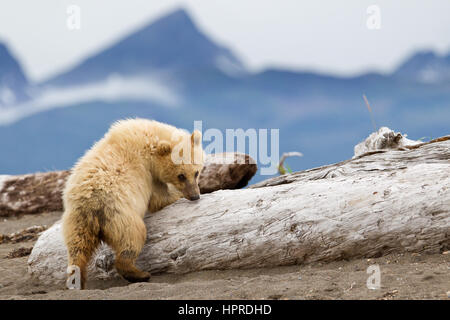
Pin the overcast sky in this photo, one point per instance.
(326, 36)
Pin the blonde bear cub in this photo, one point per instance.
(129, 171)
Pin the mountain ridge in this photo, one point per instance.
(174, 43)
(13, 81)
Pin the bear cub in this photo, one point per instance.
(138, 166)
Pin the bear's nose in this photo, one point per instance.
(193, 198)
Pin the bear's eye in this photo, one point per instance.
(196, 174)
(181, 177)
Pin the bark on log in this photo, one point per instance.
(42, 192)
(379, 203)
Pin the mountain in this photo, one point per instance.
(322, 116)
(171, 44)
(13, 83)
(425, 67)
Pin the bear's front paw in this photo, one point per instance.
(141, 276)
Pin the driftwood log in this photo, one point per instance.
(377, 203)
(42, 192)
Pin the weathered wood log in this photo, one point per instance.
(32, 193)
(379, 203)
(383, 139)
(42, 192)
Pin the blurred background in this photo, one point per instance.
(68, 69)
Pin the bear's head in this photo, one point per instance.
(180, 162)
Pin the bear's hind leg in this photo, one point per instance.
(81, 238)
(126, 235)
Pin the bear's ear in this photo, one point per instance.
(196, 138)
(163, 148)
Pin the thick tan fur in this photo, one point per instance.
(112, 186)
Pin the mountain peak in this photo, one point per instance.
(176, 19)
(425, 67)
(5, 55)
(13, 82)
(171, 43)
(180, 15)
